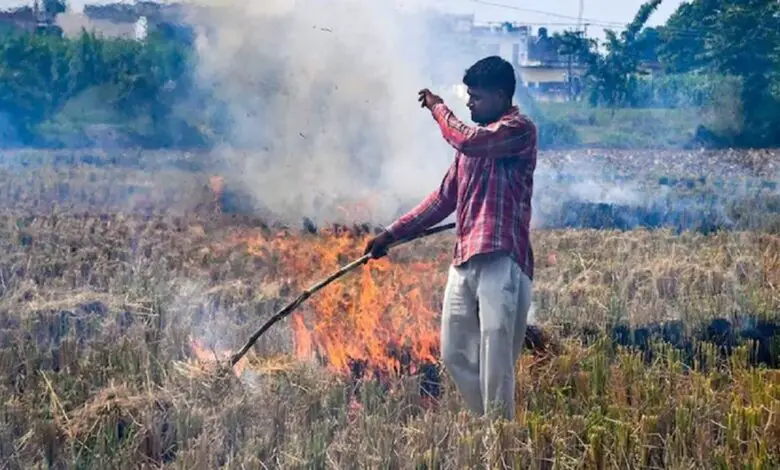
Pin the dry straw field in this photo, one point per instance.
(120, 288)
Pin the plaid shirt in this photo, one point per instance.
(489, 185)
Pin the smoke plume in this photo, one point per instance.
(322, 100)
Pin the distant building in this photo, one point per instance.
(650, 67)
(453, 23)
(73, 23)
(541, 68)
(130, 20)
(23, 18)
(141, 28)
(507, 40)
(548, 74)
(37, 18)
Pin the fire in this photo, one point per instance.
(384, 315)
(206, 355)
(382, 318)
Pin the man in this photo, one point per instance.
(489, 186)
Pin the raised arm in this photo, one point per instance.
(439, 204)
(512, 137)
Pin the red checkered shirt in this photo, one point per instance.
(489, 185)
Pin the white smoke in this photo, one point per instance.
(323, 102)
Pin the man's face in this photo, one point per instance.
(486, 106)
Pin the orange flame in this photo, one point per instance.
(206, 355)
(370, 316)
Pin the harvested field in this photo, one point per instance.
(124, 277)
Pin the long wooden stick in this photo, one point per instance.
(289, 308)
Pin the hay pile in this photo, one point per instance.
(118, 418)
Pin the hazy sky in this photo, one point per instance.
(599, 13)
(562, 14)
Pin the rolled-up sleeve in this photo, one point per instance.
(436, 206)
(513, 138)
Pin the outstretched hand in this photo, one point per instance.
(428, 99)
(378, 245)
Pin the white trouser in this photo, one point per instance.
(483, 325)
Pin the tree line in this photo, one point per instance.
(706, 47)
(54, 89)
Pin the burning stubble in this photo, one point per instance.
(321, 97)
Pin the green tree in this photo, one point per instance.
(33, 78)
(739, 38)
(147, 83)
(648, 44)
(611, 76)
(683, 37)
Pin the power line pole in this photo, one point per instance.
(569, 59)
(569, 77)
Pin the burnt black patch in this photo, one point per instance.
(761, 336)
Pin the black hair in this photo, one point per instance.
(492, 73)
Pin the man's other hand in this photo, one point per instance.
(378, 245)
(428, 99)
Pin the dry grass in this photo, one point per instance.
(97, 314)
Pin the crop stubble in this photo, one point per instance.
(99, 307)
